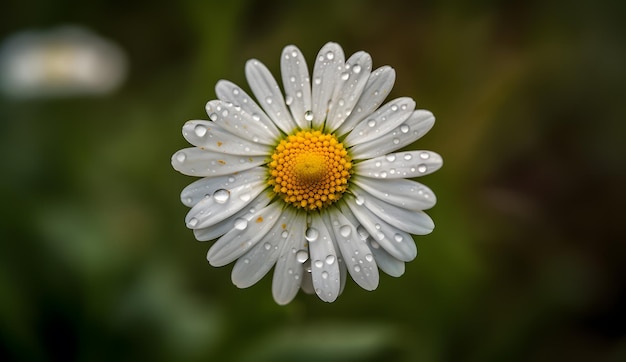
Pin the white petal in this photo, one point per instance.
(209, 135)
(240, 123)
(253, 265)
(289, 270)
(407, 194)
(417, 125)
(356, 254)
(350, 85)
(204, 187)
(238, 241)
(385, 261)
(268, 94)
(395, 241)
(326, 71)
(197, 162)
(235, 221)
(381, 122)
(324, 265)
(222, 204)
(297, 84)
(307, 280)
(343, 272)
(378, 86)
(411, 221)
(400, 165)
(232, 93)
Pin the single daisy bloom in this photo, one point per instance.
(310, 181)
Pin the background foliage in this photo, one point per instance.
(527, 259)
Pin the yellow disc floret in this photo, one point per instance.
(310, 169)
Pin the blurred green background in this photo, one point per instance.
(527, 261)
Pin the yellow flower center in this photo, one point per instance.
(310, 169)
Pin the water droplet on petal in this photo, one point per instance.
(383, 174)
(404, 128)
(345, 75)
(311, 234)
(369, 257)
(317, 80)
(330, 55)
(268, 100)
(299, 94)
(200, 130)
(302, 256)
(357, 268)
(424, 155)
(241, 223)
(256, 117)
(394, 108)
(221, 196)
(318, 263)
(371, 123)
(346, 230)
(292, 79)
(267, 246)
(181, 157)
(330, 259)
(391, 157)
(308, 115)
(398, 237)
(192, 222)
(356, 68)
(284, 234)
(396, 141)
(422, 168)
(288, 100)
(324, 275)
(408, 156)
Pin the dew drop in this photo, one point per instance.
(371, 123)
(284, 234)
(299, 94)
(394, 108)
(288, 100)
(374, 244)
(268, 100)
(302, 256)
(267, 246)
(360, 200)
(369, 257)
(345, 76)
(398, 238)
(292, 79)
(318, 263)
(192, 222)
(221, 196)
(231, 179)
(356, 69)
(404, 128)
(357, 268)
(235, 91)
(422, 168)
(324, 275)
(294, 53)
(408, 156)
(390, 157)
(213, 116)
(246, 261)
(330, 55)
(346, 230)
(317, 80)
(181, 157)
(424, 155)
(311, 234)
(396, 141)
(308, 115)
(383, 174)
(241, 223)
(256, 117)
(330, 259)
(200, 130)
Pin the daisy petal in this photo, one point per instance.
(253, 266)
(400, 165)
(411, 221)
(289, 271)
(400, 192)
(343, 272)
(387, 263)
(223, 203)
(231, 93)
(236, 121)
(297, 84)
(198, 162)
(235, 221)
(204, 187)
(239, 240)
(326, 71)
(356, 254)
(388, 117)
(266, 90)
(324, 265)
(395, 241)
(209, 135)
(349, 88)
(376, 89)
(420, 122)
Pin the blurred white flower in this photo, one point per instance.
(66, 61)
(310, 182)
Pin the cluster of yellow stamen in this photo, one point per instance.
(310, 169)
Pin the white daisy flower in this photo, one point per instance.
(311, 182)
